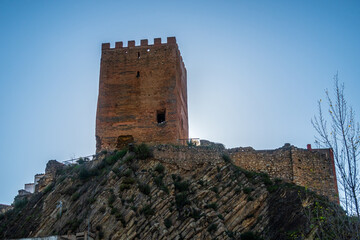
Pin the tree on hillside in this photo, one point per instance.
(339, 130)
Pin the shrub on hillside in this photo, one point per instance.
(144, 188)
(143, 151)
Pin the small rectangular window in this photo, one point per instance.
(160, 116)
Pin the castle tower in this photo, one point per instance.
(142, 95)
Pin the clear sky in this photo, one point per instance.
(255, 71)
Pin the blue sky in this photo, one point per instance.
(255, 71)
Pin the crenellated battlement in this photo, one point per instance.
(143, 43)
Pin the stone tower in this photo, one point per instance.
(142, 95)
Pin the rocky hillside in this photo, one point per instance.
(137, 195)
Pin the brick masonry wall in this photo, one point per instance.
(312, 169)
(137, 82)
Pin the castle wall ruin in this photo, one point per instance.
(310, 168)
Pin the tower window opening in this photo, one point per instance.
(138, 74)
(138, 55)
(160, 116)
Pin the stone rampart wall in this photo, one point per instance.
(277, 163)
(313, 169)
(188, 157)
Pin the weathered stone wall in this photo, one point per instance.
(136, 84)
(313, 169)
(188, 157)
(276, 163)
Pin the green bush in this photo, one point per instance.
(124, 187)
(114, 210)
(226, 158)
(77, 168)
(117, 172)
(128, 180)
(71, 190)
(49, 188)
(249, 174)
(147, 210)
(111, 199)
(266, 179)
(167, 222)
(75, 196)
(20, 203)
(248, 190)
(212, 228)
(201, 182)
(272, 188)
(182, 186)
(176, 178)
(102, 164)
(158, 180)
(215, 189)
(143, 151)
(181, 200)
(80, 161)
(211, 205)
(144, 188)
(91, 200)
(84, 174)
(220, 217)
(128, 173)
(110, 160)
(159, 168)
(195, 214)
(129, 158)
(250, 198)
(165, 189)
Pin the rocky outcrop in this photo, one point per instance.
(121, 195)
